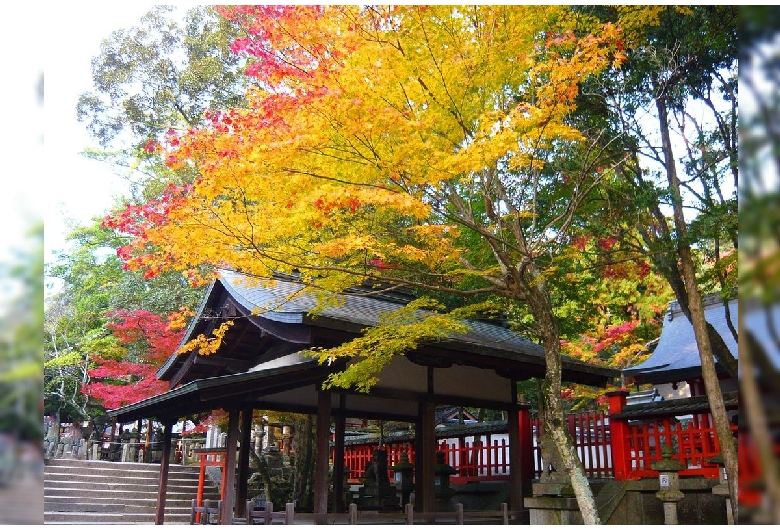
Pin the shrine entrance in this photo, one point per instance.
(262, 366)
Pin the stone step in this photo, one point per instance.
(111, 518)
(99, 492)
(111, 504)
(102, 466)
(110, 472)
(129, 489)
(54, 479)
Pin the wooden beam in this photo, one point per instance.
(243, 461)
(165, 461)
(223, 362)
(228, 503)
(338, 457)
(182, 371)
(323, 453)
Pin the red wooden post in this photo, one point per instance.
(618, 435)
(201, 482)
(526, 449)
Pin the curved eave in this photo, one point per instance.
(198, 396)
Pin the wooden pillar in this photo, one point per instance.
(618, 433)
(243, 461)
(338, 457)
(229, 471)
(527, 468)
(323, 453)
(418, 456)
(148, 442)
(427, 460)
(165, 462)
(521, 469)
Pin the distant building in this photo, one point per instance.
(674, 368)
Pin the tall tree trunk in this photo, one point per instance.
(552, 414)
(728, 443)
(755, 411)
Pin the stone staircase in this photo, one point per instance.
(101, 492)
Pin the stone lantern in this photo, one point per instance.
(403, 473)
(669, 479)
(442, 474)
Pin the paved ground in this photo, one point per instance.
(21, 501)
(21, 486)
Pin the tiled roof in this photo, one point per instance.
(673, 407)
(279, 300)
(676, 352)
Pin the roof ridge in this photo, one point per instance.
(707, 300)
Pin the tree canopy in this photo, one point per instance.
(488, 157)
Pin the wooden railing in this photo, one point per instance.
(693, 441)
(608, 446)
(485, 457)
(409, 516)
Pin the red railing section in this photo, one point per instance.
(486, 456)
(608, 447)
(692, 442)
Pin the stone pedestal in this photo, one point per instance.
(722, 489)
(552, 510)
(669, 480)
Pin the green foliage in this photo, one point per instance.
(21, 351)
(161, 74)
(164, 74)
(403, 330)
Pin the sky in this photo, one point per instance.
(73, 189)
(76, 189)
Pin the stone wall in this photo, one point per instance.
(635, 503)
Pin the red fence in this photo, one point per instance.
(486, 456)
(608, 447)
(692, 441)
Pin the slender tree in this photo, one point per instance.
(678, 59)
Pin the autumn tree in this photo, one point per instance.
(129, 375)
(673, 109)
(380, 138)
(83, 320)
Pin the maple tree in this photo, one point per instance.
(377, 140)
(115, 382)
(80, 331)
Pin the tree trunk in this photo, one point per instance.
(728, 443)
(554, 421)
(303, 476)
(756, 417)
